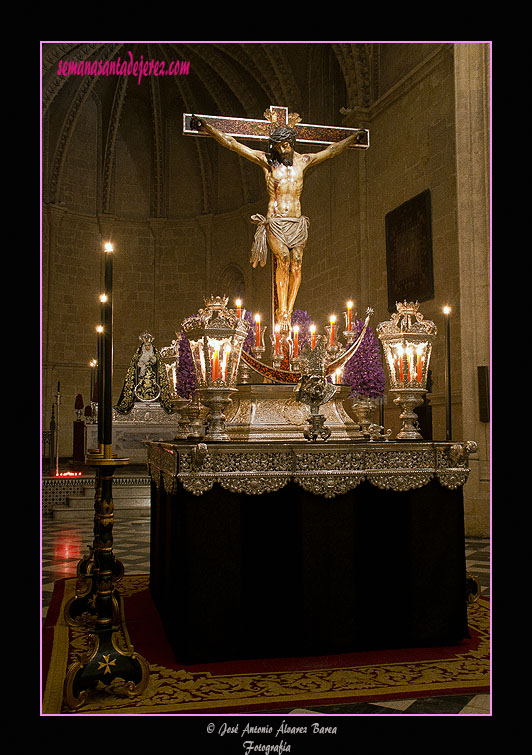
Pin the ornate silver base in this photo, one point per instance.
(317, 428)
(216, 399)
(408, 399)
(179, 406)
(271, 412)
(364, 409)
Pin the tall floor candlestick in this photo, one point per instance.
(448, 419)
(100, 597)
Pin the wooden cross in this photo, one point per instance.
(251, 128)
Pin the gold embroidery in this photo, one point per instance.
(180, 691)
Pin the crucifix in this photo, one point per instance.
(284, 229)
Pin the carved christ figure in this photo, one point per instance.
(283, 229)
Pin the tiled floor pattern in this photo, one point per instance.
(65, 543)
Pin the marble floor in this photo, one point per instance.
(64, 543)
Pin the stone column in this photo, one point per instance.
(472, 92)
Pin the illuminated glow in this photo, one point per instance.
(332, 320)
(103, 298)
(69, 474)
(349, 313)
(93, 363)
(446, 310)
(99, 328)
(108, 247)
(67, 548)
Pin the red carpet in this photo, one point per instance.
(257, 685)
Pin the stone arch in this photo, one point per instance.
(231, 283)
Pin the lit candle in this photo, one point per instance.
(332, 321)
(92, 365)
(349, 308)
(277, 331)
(313, 336)
(296, 337)
(419, 364)
(107, 312)
(226, 362)
(409, 363)
(448, 414)
(238, 308)
(215, 365)
(257, 331)
(400, 354)
(337, 376)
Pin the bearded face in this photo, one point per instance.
(282, 154)
(281, 147)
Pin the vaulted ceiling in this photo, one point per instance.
(215, 78)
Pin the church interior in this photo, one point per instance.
(404, 219)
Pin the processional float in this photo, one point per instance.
(216, 336)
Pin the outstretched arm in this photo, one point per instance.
(315, 158)
(254, 155)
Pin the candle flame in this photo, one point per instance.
(349, 305)
(99, 328)
(446, 310)
(108, 247)
(257, 318)
(312, 328)
(277, 328)
(332, 318)
(103, 298)
(296, 328)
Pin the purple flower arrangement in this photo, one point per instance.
(364, 371)
(186, 374)
(250, 338)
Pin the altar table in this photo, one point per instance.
(302, 549)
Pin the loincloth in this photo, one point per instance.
(290, 231)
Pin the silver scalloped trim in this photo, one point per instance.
(400, 481)
(329, 486)
(321, 471)
(453, 479)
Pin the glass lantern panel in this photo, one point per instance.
(196, 349)
(219, 354)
